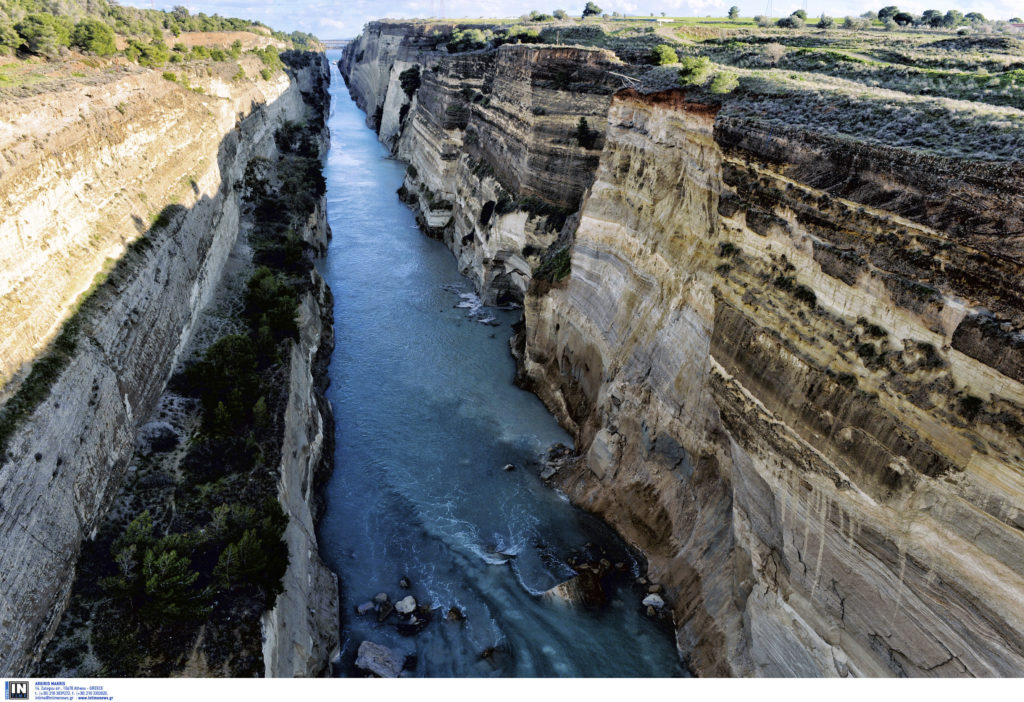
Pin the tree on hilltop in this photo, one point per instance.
(888, 12)
(734, 13)
(591, 10)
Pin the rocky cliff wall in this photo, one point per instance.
(814, 506)
(138, 151)
(491, 139)
(790, 360)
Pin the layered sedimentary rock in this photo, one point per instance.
(791, 360)
(145, 172)
(771, 402)
(492, 139)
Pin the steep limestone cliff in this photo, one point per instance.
(790, 357)
(137, 178)
(817, 507)
(491, 139)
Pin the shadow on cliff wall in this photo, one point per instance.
(134, 314)
(31, 384)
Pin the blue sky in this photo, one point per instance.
(343, 19)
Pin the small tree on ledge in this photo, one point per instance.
(584, 134)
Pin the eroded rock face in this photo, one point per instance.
(813, 507)
(490, 137)
(119, 153)
(791, 363)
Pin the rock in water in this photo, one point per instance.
(583, 589)
(385, 611)
(365, 608)
(380, 597)
(378, 660)
(455, 615)
(509, 466)
(406, 605)
(654, 601)
(404, 583)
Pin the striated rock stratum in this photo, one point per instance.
(790, 354)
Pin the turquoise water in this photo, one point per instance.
(426, 417)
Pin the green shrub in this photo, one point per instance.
(149, 55)
(724, 82)
(467, 40)
(9, 38)
(410, 80)
(270, 58)
(663, 54)
(173, 77)
(694, 70)
(227, 384)
(555, 267)
(586, 136)
(95, 36)
(40, 34)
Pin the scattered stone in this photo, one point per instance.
(456, 615)
(380, 597)
(620, 566)
(406, 605)
(654, 601)
(404, 583)
(654, 589)
(548, 472)
(378, 660)
(641, 580)
(365, 608)
(509, 466)
(606, 564)
(385, 611)
(652, 612)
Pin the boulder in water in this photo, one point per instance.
(380, 597)
(365, 608)
(378, 660)
(406, 605)
(456, 615)
(654, 600)
(385, 611)
(404, 583)
(583, 589)
(509, 466)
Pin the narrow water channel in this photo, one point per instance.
(426, 418)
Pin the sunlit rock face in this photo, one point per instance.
(821, 507)
(790, 361)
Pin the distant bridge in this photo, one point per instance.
(335, 43)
